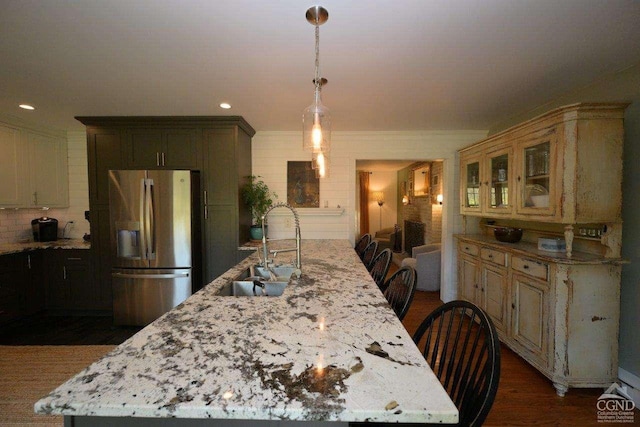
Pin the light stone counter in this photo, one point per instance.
(16, 247)
(328, 349)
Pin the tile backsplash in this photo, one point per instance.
(15, 224)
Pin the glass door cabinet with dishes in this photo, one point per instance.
(535, 174)
(486, 182)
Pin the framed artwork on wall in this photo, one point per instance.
(421, 181)
(303, 187)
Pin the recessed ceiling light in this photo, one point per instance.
(225, 105)
(27, 107)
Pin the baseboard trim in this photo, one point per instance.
(633, 384)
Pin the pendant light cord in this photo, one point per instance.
(317, 79)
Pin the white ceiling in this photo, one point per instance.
(391, 64)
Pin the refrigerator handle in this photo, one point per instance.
(150, 228)
(143, 220)
(149, 275)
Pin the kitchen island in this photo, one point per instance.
(329, 349)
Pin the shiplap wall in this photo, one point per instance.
(272, 150)
(15, 224)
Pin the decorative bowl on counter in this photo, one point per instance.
(508, 234)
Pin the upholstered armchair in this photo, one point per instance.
(425, 260)
(386, 238)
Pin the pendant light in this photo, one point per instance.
(316, 120)
(320, 162)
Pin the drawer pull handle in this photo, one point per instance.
(74, 259)
(466, 248)
(490, 256)
(526, 267)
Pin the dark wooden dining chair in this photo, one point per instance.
(400, 289)
(362, 244)
(460, 343)
(369, 254)
(379, 267)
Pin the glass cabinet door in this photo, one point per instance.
(536, 177)
(471, 184)
(499, 196)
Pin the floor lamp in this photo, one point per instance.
(379, 197)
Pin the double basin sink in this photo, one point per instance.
(257, 282)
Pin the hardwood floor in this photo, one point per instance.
(42, 329)
(525, 396)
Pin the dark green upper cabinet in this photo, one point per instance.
(162, 149)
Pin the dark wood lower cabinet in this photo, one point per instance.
(20, 290)
(57, 280)
(71, 282)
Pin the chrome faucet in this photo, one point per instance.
(275, 252)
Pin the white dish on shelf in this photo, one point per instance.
(540, 201)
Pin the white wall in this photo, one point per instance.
(272, 150)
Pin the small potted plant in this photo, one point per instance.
(257, 196)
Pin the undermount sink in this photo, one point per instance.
(253, 288)
(255, 281)
(283, 273)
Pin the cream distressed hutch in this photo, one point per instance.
(557, 175)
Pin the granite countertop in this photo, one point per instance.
(12, 248)
(330, 348)
(531, 250)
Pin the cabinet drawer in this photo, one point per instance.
(494, 256)
(530, 267)
(469, 248)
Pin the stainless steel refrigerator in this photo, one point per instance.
(152, 232)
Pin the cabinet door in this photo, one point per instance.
(144, 150)
(469, 277)
(220, 181)
(104, 152)
(221, 240)
(162, 149)
(530, 317)
(537, 175)
(12, 281)
(49, 176)
(33, 294)
(101, 256)
(471, 175)
(180, 150)
(498, 182)
(84, 292)
(494, 294)
(13, 185)
(57, 296)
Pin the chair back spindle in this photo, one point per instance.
(400, 289)
(460, 343)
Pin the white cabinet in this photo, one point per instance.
(566, 169)
(560, 314)
(33, 169)
(48, 171)
(13, 187)
(485, 181)
(483, 280)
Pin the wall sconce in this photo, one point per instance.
(439, 199)
(405, 200)
(378, 196)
